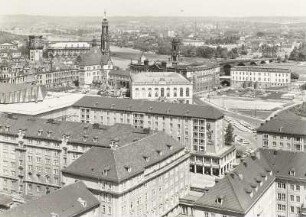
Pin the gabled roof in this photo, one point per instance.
(82, 133)
(119, 164)
(150, 107)
(285, 123)
(66, 202)
(236, 187)
(282, 162)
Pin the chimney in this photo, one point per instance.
(280, 129)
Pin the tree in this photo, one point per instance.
(229, 134)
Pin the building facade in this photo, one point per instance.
(68, 48)
(33, 151)
(163, 86)
(268, 183)
(284, 132)
(143, 178)
(259, 77)
(199, 128)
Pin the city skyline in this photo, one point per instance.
(193, 8)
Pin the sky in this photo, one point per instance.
(222, 8)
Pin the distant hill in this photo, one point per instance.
(8, 37)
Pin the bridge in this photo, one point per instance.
(226, 65)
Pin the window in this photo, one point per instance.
(292, 209)
(181, 91)
(281, 196)
(281, 185)
(187, 91)
(281, 207)
(162, 92)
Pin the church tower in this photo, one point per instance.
(105, 36)
(175, 51)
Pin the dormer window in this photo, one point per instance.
(219, 200)
(49, 133)
(7, 128)
(292, 172)
(82, 202)
(95, 139)
(105, 171)
(128, 168)
(85, 138)
(146, 158)
(159, 152)
(170, 147)
(40, 132)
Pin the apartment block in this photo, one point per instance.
(267, 183)
(285, 131)
(145, 177)
(260, 77)
(34, 151)
(198, 128)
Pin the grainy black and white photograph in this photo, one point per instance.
(152, 108)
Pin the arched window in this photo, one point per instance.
(156, 92)
(162, 92)
(187, 91)
(150, 92)
(168, 92)
(181, 91)
(175, 92)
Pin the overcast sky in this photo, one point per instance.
(155, 7)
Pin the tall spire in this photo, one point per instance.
(105, 36)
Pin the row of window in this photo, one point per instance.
(162, 92)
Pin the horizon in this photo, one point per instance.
(157, 8)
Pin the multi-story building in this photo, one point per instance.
(119, 78)
(162, 86)
(73, 200)
(36, 47)
(143, 178)
(8, 46)
(59, 75)
(33, 151)
(205, 77)
(94, 67)
(68, 48)
(199, 128)
(259, 77)
(268, 183)
(286, 131)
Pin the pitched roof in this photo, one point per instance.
(150, 107)
(66, 202)
(120, 72)
(282, 162)
(158, 77)
(234, 189)
(90, 134)
(285, 123)
(121, 163)
(93, 57)
(7, 88)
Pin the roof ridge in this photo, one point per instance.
(235, 193)
(140, 139)
(116, 165)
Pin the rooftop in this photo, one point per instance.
(121, 163)
(150, 107)
(238, 190)
(93, 57)
(261, 69)
(285, 123)
(7, 88)
(68, 201)
(51, 102)
(159, 78)
(82, 133)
